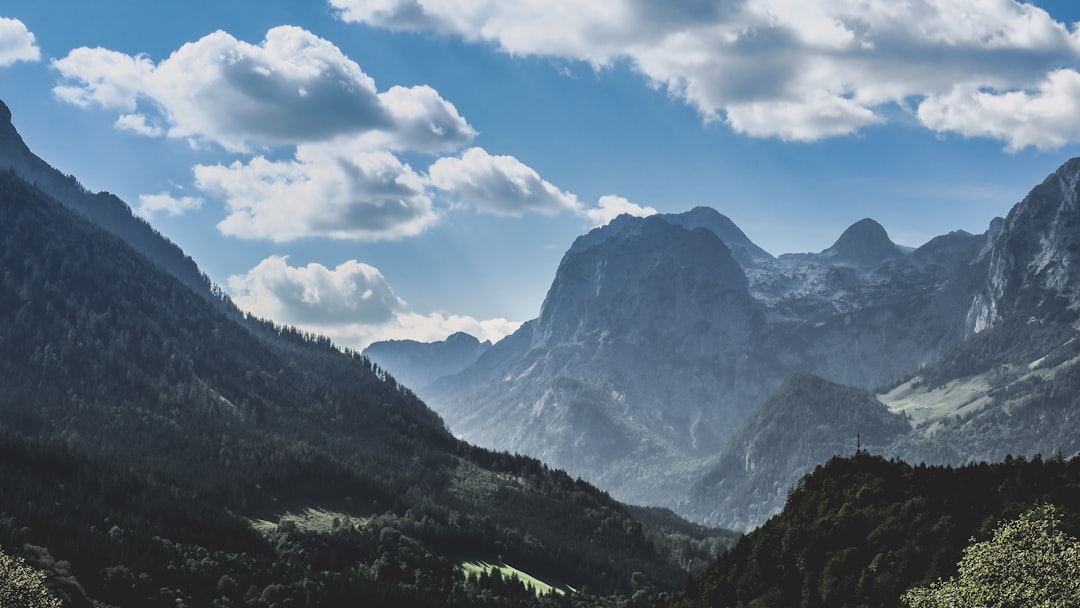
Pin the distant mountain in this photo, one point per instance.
(158, 448)
(864, 244)
(416, 364)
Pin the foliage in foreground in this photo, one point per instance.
(1029, 562)
(22, 586)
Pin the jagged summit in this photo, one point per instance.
(864, 243)
(742, 248)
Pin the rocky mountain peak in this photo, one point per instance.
(742, 248)
(1034, 255)
(5, 116)
(864, 243)
(634, 271)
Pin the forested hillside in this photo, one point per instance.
(861, 531)
(154, 445)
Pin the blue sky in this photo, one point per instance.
(375, 169)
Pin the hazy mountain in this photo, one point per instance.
(161, 449)
(416, 364)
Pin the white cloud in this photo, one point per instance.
(107, 79)
(611, 206)
(501, 185)
(293, 87)
(136, 123)
(352, 293)
(149, 204)
(1045, 117)
(351, 304)
(793, 69)
(334, 190)
(16, 43)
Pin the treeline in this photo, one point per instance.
(860, 531)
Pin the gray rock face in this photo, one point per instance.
(635, 365)
(1033, 258)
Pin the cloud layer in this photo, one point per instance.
(796, 70)
(16, 43)
(292, 88)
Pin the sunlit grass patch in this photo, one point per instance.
(542, 588)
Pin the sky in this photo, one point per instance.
(391, 169)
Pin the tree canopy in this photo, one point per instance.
(1029, 562)
(22, 586)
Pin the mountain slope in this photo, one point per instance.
(104, 209)
(150, 425)
(804, 423)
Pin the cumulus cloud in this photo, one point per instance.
(16, 43)
(801, 70)
(1045, 117)
(294, 87)
(149, 204)
(611, 206)
(501, 185)
(136, 123)
(334, 190)
(352, 304)
(314, 294)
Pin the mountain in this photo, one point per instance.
(658, 341)
(864, 244)
(860, 531)
(970, 337)
(417, 364)
(102, 208)
(804, 423)
(642, 312)
(160, 448)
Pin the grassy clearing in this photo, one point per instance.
(542, 588)
(924, 404)
(316, 520)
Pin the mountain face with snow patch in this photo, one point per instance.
(658, 340)
(661, 339)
